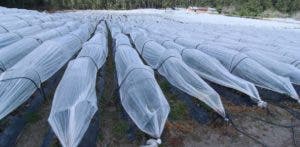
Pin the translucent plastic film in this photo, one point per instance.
(282, 69)
(10, 22)
(140, 94)
(283, 59)
(11, 54)
(211, 69)
(243, 66)
(170, 65)
(13, 36)
(75, 101)
(16, 84)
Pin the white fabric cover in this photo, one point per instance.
(282, 69)
(41, 64)
(75, 101)
(283, 59)
(170, 65)
(282, 42)
(11, 54)
(10, 20)
(243, 66)
(256, 49)
(211, 69)
(15, 35)
(12, 25)
(140, 94)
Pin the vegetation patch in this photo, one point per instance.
(120, 128)
(178, 110)
(32, 117)
(249, 8)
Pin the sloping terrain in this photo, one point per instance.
(129, 78)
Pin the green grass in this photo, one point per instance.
(201, 104)
(178, 110)
(32, 117)
(3, 122)
(100, 137)
(164, 85)
(119, 129)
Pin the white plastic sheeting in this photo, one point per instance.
(19, 82)
(268, 39)
(291, 53)
(30, 18)
(10, 22)
(245, 67)
(282, 59)
(75, 101)
(253, 48)
(11, 54)
(17, 11)
(211, 69)
(282, 69)
(265, 38)
(140, 94)
(277, 41)
(282, 65)
(13, 36)
(221, 55)
(7, 26)
(170, 65)
(237, 40)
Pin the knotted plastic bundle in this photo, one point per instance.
(170, 65)
(140, 94)
(75, 101)
(45, 60)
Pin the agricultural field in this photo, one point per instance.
(147, 77)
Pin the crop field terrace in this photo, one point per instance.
(147, 77)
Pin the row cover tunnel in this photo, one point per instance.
(34, 46)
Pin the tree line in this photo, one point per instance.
(241, 7)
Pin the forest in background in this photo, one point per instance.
(229, 7)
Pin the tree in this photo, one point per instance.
(251, 8)
(242, 7)
(283, 5)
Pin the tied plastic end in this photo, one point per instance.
(158, 141)
(226, 119)
(262, 104)
(152, 143)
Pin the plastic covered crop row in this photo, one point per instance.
(19, 82)
(170, 65)
(11, 54)
(20, 21)
(75, 101)
(15, 35)
(245, 67)
(140, 94)
(211, 69)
